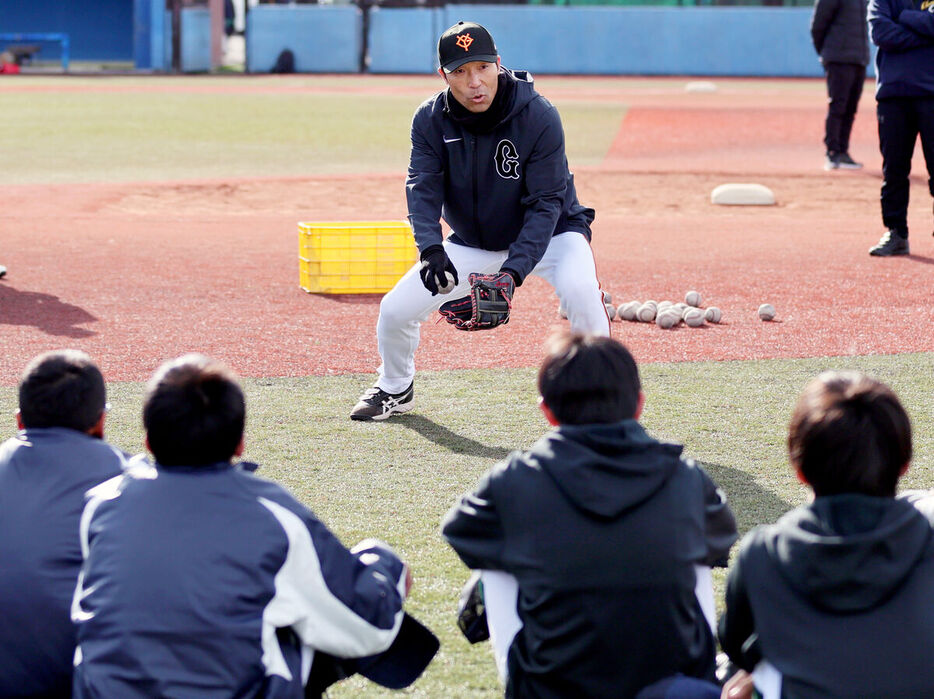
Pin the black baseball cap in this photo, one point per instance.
(463, 43)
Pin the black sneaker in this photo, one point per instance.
(376, 404)
(2, 271)
(845, 162)
(831, 160)
(889, 245)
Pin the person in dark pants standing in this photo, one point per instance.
(840, 36)
(904, 32)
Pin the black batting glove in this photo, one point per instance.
(435, 264)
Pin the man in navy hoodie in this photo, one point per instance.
(488, 158)
(45, 471)
(904, 32)
(603, 528)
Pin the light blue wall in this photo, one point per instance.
(324, 39)
(153, 37)
(714, 41)
(764, 41)
(196, 39)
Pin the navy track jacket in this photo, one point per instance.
(904, 32)
(509, 189)
(44, 474)
(189, 572)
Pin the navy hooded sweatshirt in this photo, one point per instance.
(505, 188)
(837, 596)
(602, 526)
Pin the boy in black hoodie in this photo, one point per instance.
(836, 594)
(602, 526)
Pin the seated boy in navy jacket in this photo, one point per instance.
(603, 527)
(836, 595)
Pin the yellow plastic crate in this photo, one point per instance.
(354, 257)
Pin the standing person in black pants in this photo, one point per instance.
(904, 32)
(840, 36)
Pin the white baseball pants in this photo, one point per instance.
(568, 265)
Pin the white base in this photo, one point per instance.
(739, 194)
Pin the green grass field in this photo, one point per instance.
(97, 131)
(396, 480)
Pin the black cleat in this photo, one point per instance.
(376, 404)
(845, 162)
(890, 245)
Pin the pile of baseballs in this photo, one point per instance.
(668, 314)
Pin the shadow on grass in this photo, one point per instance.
(751, 503)
(450, 440)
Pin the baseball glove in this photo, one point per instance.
(487, 305)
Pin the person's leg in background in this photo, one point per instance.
(856, 79)
(898, 130)
(844, 88)
(835, 113)
(925, 109)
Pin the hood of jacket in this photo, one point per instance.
(605, 470)
(848, 553)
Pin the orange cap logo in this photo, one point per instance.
(464, 41)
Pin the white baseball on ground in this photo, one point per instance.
(449, 287)
(646, 313)
(713, 314)
(607, 299)
(666, 320)
(766, 311)
(694, 317)
(628, 311)
(693, 298)
(611, 311)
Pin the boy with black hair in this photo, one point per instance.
(201, 579)
(58, 454)
(835, 596)
(602, 526)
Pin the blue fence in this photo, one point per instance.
(323, 39)
(716, 41)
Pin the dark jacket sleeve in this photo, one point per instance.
(545, 187)
(737, 626)
(424, 184)
(919, 21)
(886, 31)
(720, 524)
(824, 12)
(473, 529)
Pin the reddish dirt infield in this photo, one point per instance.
(138, 273)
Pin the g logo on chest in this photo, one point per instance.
(507, 160)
